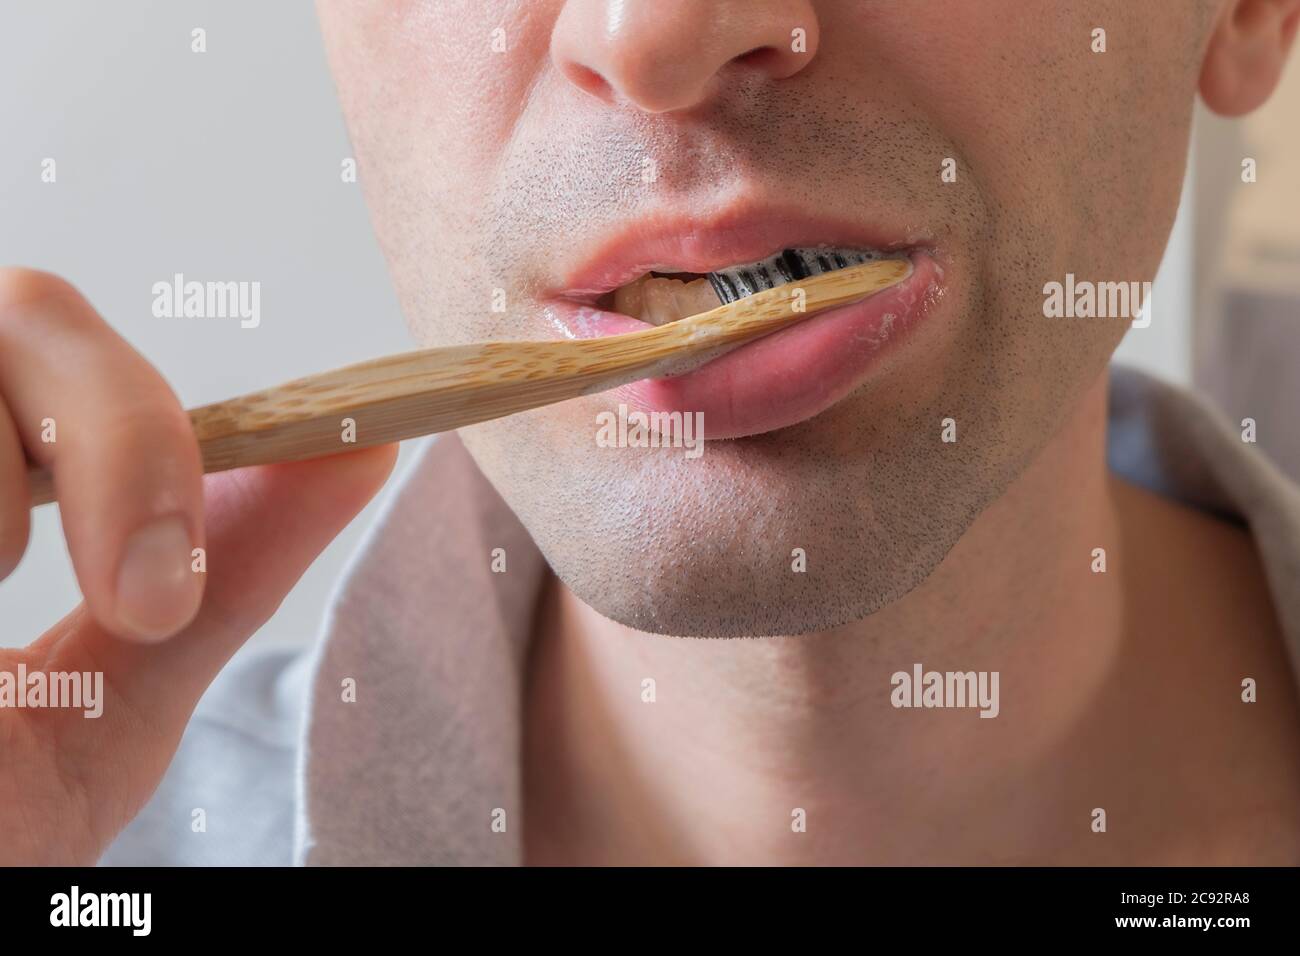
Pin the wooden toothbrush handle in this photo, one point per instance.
(435, 390)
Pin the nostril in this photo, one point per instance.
(588, 80)
(760, 57)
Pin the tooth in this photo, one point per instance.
(788, 265)
(658, 306)
(695, 297)
(628, 298)
(658, 301)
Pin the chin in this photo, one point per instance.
(704, 596)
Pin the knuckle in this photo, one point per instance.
(151, 424)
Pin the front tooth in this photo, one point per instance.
(659, 301)
(695, 297)
(786, 266)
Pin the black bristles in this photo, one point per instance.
(783, 267)
(789, 265)
(794, 262)
(724, 288)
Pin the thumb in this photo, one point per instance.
(264, 527)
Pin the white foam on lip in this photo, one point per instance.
(705, 331)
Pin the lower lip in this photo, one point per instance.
(781, 379)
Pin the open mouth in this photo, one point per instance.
(662, 268)
(660, 296)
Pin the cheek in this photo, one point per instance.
(467, 67)
(1079, 152)
(435, 88)
(433, 93)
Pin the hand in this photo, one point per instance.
(135, 506)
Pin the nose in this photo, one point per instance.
(666, 55)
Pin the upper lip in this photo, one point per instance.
(672, 242)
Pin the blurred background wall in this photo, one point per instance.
(226, 165)
(1247, 268)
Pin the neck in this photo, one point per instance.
(742, 735)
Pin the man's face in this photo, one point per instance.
(519, 173)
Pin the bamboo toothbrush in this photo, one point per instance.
(439, 389)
